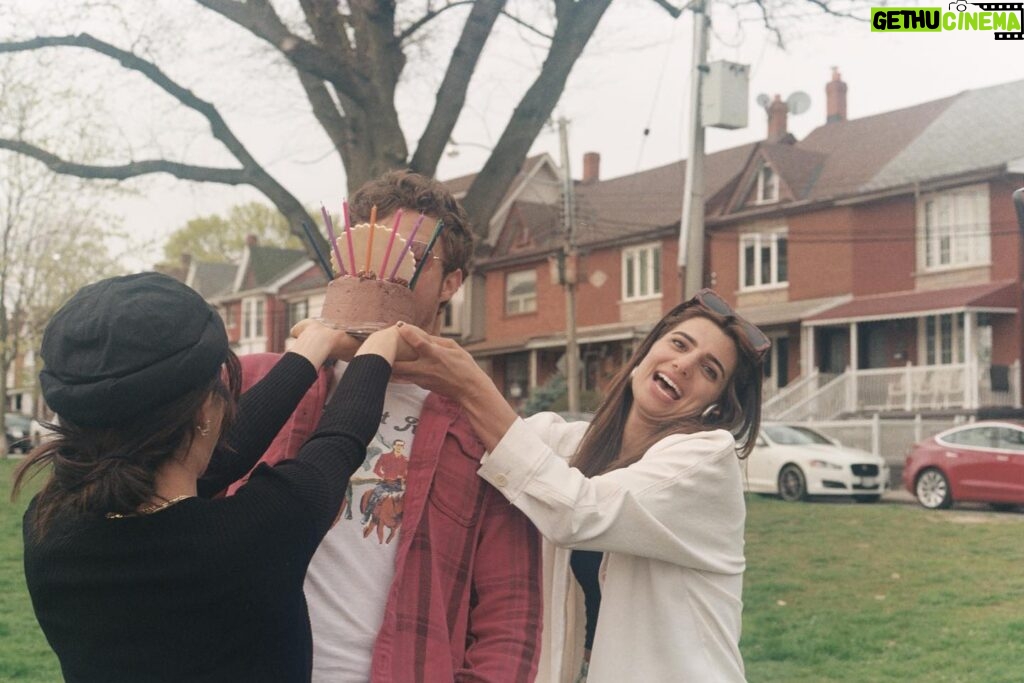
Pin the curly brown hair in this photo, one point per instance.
(411, 191)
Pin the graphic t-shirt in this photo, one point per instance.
(348, 580)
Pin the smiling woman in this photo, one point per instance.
(642, 508)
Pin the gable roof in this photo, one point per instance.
(261, 266)
(636, 204)
(979, 129)
(210, 279)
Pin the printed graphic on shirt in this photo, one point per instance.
(379, 486)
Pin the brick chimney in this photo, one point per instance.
(591, 167)
(835, 98)
(252, 240)
(777, 113)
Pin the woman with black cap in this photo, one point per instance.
(135, 572)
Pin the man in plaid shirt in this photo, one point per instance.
(457, 595)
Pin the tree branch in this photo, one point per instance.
(259, 18)
(527, 26)
(576, 24)
(428, 17)
(674, 11)
(451, 96)
(251, 173)
(131, 61)
(227, 176)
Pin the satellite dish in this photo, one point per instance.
(798, 102)
(763, 100)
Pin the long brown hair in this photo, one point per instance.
(739, 406)
(113, 469)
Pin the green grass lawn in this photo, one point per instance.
(834, 592)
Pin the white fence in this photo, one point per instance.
(889, 438)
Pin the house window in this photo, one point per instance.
(521, 292)
(450, 322)
(764, 260)
(252, 318)
(944, 339)
(641, 272)
(297, 310)
(954, 229)
(767, 186)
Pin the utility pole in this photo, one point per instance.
(691, 231)
(567, 272)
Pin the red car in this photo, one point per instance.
(980, 462)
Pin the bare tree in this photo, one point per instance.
(349, 58)
(53, 240)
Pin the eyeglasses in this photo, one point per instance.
(709, 299)
(419, 252)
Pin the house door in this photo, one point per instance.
(835, 350)
(873, 347)
(776, 366)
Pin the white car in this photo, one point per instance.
(794, 462)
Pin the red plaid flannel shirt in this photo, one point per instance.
(465, 602)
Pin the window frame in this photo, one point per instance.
(642, 271)
(767, 190)
(760, 241)
(525, 303)
(954, 229)
(254, 314)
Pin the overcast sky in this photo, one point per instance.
(633, 76)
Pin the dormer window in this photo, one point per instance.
(767, 186)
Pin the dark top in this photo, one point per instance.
(209, 589)
(585, 567)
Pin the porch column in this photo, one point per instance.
(971, 374)
(807, 351)
(532, 364)
(852, 365)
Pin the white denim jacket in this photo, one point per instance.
(671, 528)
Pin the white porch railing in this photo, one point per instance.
(794, 393)
(824, 404)
(909, 389)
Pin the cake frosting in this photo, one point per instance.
(367, 304)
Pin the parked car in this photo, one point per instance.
(17, 430)
(794, 462)
(979, 462)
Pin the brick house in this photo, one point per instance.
(250, 297)
(881, 254)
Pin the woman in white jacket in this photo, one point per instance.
(642, 510)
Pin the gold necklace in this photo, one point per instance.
(149, 509)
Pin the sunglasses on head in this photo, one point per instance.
(709, 299)
(419, 252)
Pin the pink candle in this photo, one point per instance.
(334, 240)
(405, 249)
(391, 243)
(348, 235)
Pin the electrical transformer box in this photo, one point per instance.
(724, 96)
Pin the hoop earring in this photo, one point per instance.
(204, 429)
(710, 413)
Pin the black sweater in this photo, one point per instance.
(209, 589)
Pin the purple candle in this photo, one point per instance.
(334, 240)
(408, 244)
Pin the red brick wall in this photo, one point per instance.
(885, 254)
